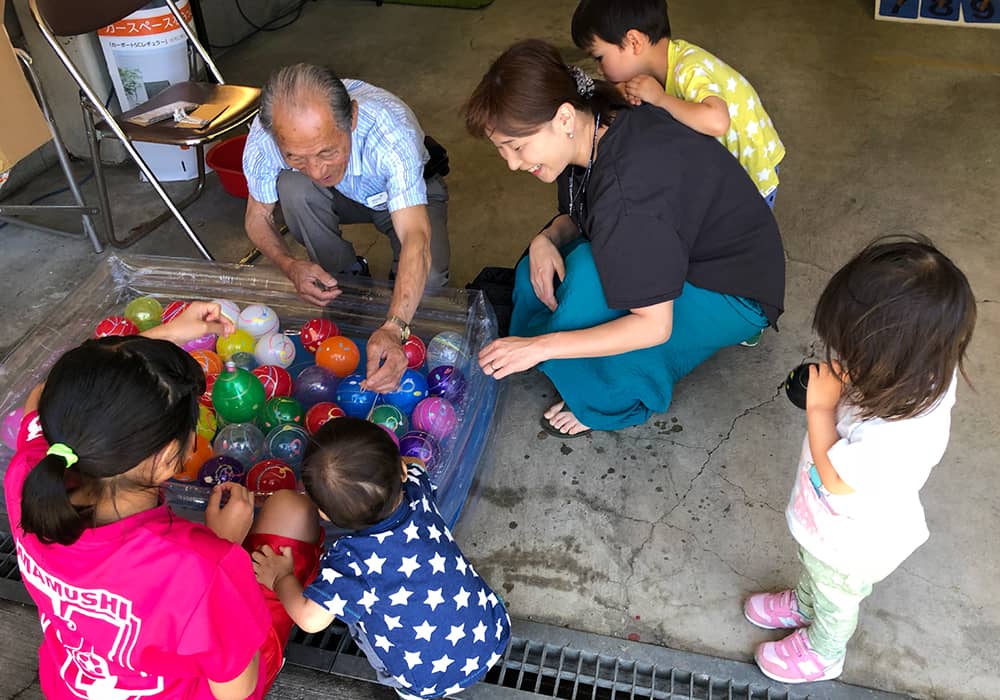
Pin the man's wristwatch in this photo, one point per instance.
(404, 327)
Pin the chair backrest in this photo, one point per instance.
(70, 17)
(57, 18)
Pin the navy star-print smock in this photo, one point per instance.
(434, 623)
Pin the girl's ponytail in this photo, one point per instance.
(46, 509)
(111, 403)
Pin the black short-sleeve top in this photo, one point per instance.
(663, 205)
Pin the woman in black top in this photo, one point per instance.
(662, 251)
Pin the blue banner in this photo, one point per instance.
(981, 12)
(967, 13)
(942, 10)
(902, 9)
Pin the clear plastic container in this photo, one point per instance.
(360, 309)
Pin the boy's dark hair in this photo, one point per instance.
(114, 401)
(524, 89)
(352, 472)
(610, 21)
(898, 317)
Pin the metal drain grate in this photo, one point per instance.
(552, 662)
(562, 672)
(10, 577)
(543, 669)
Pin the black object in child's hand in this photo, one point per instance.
(797, 382)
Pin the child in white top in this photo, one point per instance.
(896, 322)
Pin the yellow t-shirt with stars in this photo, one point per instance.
(694, 74)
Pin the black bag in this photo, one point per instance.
(438, 162)
(497, 283)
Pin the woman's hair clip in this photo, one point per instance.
(584, 83)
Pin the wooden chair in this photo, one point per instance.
(57, 18)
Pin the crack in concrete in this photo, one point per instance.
(662, 519)
(808, 264)
(757, 584)
(636, 552)
(675, 443)
(612, 515)
(747, 501)
(940, 586)
(706, 550)
(673, 485)
(659, 437)
(608, 511)
(750, 504)
(720, 443)
(26, 688)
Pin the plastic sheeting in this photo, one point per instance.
(360, 309)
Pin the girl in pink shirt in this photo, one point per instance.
(135, 601)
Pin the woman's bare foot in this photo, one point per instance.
(564, 422)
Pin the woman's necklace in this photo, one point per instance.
(582, 190)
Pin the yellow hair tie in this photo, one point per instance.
(64, 451)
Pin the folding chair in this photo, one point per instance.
(56, 18)
(11, 213)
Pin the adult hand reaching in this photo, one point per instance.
(386, 360)
(545, 263)
(506, 356)
(312, 282)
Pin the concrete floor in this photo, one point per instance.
(659, 531)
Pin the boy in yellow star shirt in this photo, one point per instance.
(630, 40)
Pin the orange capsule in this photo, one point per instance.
(202, 451)
(209, 360)
(338, 354)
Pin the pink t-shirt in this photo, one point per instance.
(150, 606)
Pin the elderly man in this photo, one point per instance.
(341, 153)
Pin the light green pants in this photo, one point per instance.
(831, 599)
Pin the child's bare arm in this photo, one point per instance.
(710, 117)
(31, 403)
(199, 318)
(307, 614)
(822, 396)
(276, 572)
(239, 687)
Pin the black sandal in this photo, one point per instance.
(555, 432)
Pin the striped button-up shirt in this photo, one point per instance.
(386, 167)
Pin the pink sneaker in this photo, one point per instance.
(793, 660)
(775, 611)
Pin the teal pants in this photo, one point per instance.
(831, 599)
(608, 393)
